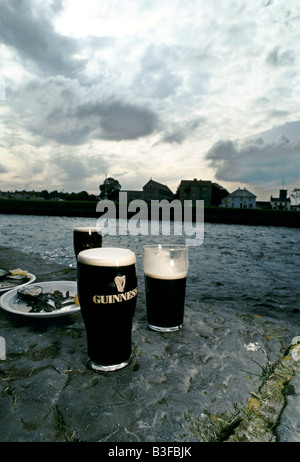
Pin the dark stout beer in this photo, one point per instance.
(165, 302)
(165, 269)
(107, 290)
(86, 238)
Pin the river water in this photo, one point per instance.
(254, 269)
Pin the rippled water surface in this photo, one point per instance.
(247, 268)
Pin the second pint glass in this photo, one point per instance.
(107, 290)
(165, 269)
(86, 237)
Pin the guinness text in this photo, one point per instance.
(115, 298)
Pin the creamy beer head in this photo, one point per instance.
(107, 256)
(165, 262)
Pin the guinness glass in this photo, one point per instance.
(165, 269)
(107, 291)
(87, 237)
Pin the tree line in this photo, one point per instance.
(109, 189)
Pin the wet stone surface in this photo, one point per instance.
(178, 387)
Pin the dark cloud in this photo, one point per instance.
(222, 150)
(46, 108)
(61, 110)
(152, 69)
(118, 120)
(254, 161)
(65, 106)
(30, 32)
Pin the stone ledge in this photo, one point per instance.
(260, 419)
(214, 380)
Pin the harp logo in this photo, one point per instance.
(120, 282)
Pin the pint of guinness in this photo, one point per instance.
(86, 237)
(107, 291)
(165, 269)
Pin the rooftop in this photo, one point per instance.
(241, 193)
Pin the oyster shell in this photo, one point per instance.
(3, 273)
(17, 278)
(30, 292)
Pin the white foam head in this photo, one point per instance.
(166, 262)
(107, 256)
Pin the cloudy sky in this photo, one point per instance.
(133, 89)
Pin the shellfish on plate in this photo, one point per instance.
(10, 279)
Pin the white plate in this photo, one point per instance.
(8, 301)
(31, 277)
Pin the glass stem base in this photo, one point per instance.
(164, 329)
(109, 368)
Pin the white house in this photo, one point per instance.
(241, 198)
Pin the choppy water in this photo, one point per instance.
(247, 268)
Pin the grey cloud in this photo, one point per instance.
(76, 168)
(3, 169)
(156, 84)
(179, 131)
(276, 58)
(61, 110)
(255, 161)
(241, 34)
(290, 129)
(258, 141)
(157, 57)
(118, 120)
(33, 36)
(222, 150)
(47, 108)
(158, 77)
(280, 114)
(176, 136)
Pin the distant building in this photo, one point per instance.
(152, 190)
(241, 198)
(133, 195)
(282, 202)
(22, 195)
(195, 190)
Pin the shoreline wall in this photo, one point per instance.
(211, 214)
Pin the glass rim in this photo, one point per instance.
(107, 257)
(166, 246)
(88, 228)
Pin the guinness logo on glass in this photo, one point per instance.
(122, 296)
(120, 282)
